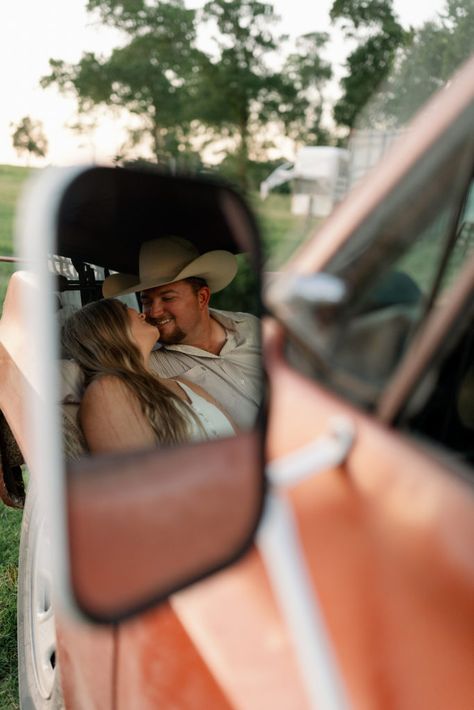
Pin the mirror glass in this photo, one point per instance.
(157, 302)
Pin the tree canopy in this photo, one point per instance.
(303, 79)
(180, 92)
(437, 49)
(239, 89)
(252, 87)
(378, 34)
(153, 75)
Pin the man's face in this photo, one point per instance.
(177, 311)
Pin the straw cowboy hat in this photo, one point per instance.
(169, 259)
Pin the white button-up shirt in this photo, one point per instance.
(233, 378)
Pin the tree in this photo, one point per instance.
(438, 48)
(153, 75)
(240, 92)
(28, 137)
(378, 34)
(186, 98)
(304, 76)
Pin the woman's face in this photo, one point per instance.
(144, 334)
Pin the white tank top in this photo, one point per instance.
(214, 422)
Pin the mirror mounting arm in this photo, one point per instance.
(280, 546)
(300, 302)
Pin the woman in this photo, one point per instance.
(126, 406)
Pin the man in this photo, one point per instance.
(219, 350)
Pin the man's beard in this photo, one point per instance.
(175, 337)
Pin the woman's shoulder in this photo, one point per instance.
(111, 417)
(105, 388)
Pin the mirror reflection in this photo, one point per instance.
(166, 352)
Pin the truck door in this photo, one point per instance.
(384, 341)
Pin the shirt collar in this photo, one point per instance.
(221, 317)
(224, 319)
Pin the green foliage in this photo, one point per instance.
(438, 48)
(11, 181)
(257, 171)
(239, 90)
(363, 13)
(457, 24)
(242, 93)
(303, 78)
(28, 137)
(378, 33)
(282, 232)
(243, 294)
(153, 75)
(186, 98)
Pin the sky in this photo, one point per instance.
(32, 32)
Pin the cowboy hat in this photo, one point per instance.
(169, 259)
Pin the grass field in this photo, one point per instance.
(11, 181)
(281, 231)
(10, 521)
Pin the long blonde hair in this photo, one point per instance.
(99, 338)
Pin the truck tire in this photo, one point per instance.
(38, 673)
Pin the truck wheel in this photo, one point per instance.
(38, 674)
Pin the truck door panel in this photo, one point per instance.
(387, 539)
(219, 644)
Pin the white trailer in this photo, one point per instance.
(319, 176)
(320, 181)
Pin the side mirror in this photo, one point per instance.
(131, 527)
(305, 304)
